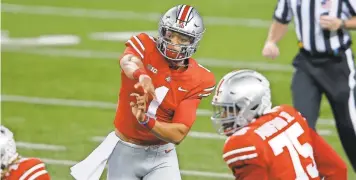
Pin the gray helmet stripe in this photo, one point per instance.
(180, 13)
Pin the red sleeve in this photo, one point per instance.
(203, 90)
(128, 50)
(186, 112)
(250, 172)
(329, 163)
(137, 45)
(244, 154)
(33, 168)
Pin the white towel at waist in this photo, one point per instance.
(93, 166)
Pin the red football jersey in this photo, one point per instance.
(279, 145)
(27, 169)
(171, 87)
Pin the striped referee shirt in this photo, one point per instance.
(307, 14)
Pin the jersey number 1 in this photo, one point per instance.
(289, 139)
(161, 93)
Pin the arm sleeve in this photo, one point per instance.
(329, 164)
(128, 50)
(204, 90)
(186, 112)
(244, 158)
(36, 170)
(283, 12)
(137, 45)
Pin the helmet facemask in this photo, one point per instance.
(230, 117)
(176, 53)
(241, 97)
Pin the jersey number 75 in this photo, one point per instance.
(289, 139)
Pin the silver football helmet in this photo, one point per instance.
(185, 20)
(7, 147)
(241, 97)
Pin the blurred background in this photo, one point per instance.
(60, 75)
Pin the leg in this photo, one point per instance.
(341, 95)
(122, 163)
(166, 167)
(306, 94)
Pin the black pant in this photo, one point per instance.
(334, 76)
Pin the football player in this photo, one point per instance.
(15, 167)
(161, 73)
(265, 143)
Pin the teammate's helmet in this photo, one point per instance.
(241, 97)
(7, 147)
(185, 20)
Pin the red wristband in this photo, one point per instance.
(136, 74)
(149, 123)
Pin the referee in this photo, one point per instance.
(325, 62)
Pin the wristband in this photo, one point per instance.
(136, 74)
(149, 123)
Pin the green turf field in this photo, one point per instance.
(88, 71)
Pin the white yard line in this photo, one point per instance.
(192, 134)
(215, 136)
(55, 101)
(119, 36)
(93, 104)
(73, 103)
(48, 147)
(91, 54)
(183, 172)
(205, 135)
(206, 174)
(43, 40)
(326, 132)
(124, 15)
(327, 122)
(127, 15)
(64, 52)
(107, 105)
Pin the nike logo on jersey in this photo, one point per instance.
(181, 89)
(168, 79)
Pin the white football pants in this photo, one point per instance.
(134, 162)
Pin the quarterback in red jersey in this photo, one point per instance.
(158, 72)
(265, 143)
(13, 166)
